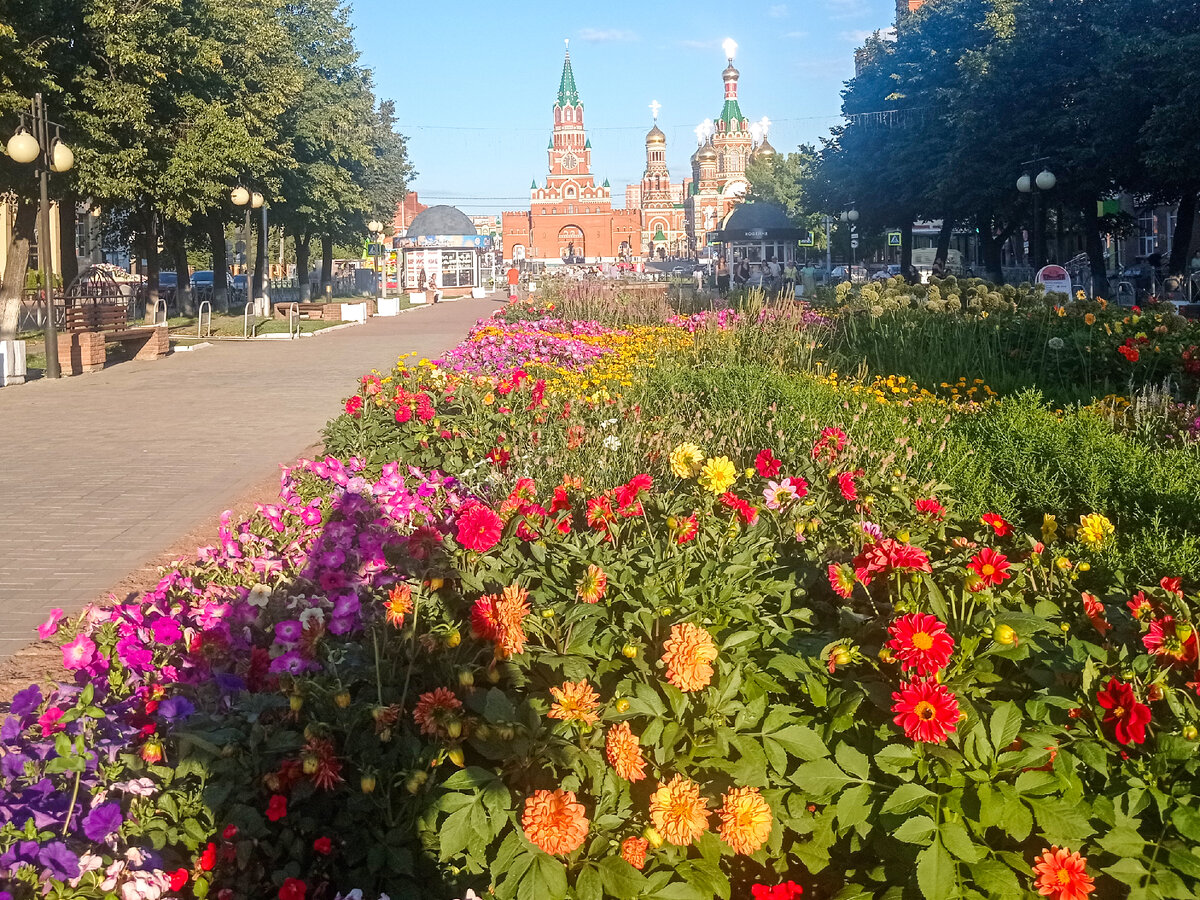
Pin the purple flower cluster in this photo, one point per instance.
(497, 348)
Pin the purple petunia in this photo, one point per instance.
(291, 662)
(166, 631)
(175, 708)
(59, 859)
(102, 821)
(26, 701)
(289, 631)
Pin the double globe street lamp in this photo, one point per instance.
(52, 155)
(850, 217)
(1045, 180)
(242, 196)
(376, 229)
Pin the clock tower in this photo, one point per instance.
(570, 151)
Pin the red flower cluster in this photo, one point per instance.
(745, 510)
(1129, 351)
(766, 463)
(831, 443)
(409, 404)
(479, 527)
(1094, 610)
(997, 524)
(354, 406)
(293, 889)
(786, 891)
(930, 507)
(885, 556)
(1126, 716)
(276, 807)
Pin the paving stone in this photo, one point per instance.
(104, 471)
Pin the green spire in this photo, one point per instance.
(533, 185)
(731, 113)
(568, 94)
(587, 145)
(658, 235)
(606, 184)
(550, 144)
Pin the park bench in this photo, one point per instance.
(306, 310)
(88, 328)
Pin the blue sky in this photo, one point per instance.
(475, 83)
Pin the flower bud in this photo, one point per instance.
(367, 783)
(651, 835)
(493, 675)
(483, 731)
(547, 613)
(666, 611)
(1005, 634)
(841, 656)
(622, 705)
(629, 651)
(435, 584)
(453, 639)
(455, 755)
(1154, 692)
(1183, 631)
(1084, 567)
(885, 655)
(505, 732)
(296, 702)
(341, 699)
(1189, 732)
(454, 728)
(416, 781)
(466, 678)
(152, 751)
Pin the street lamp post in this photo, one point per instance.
(1028, 184)
(376, 229)
(51, 155)
(850, 216)
(242, 196)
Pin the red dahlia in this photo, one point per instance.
(989, 566)
(479, 527)
(766, 463)
(1127, 717)
(926, 710)
(919, 641)
(997, 523)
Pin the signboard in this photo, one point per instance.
(853, 243)
(807, 239)
(478, 241)
(756, 234)
(1056, 279)
(893, 239)
(374, 249)
(420, 266)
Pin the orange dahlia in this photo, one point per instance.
(434, 708)
(678, 811)
(575, 701)
(633, 851)
(745, 820)
(511, 609)
(398, 605)
(689, 653)
(554, 821)
(592, 585)
(1062, 875)
(624, 753)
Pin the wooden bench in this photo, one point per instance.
(307, 310)
(89, 327)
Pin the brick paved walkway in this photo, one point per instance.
(100, 473)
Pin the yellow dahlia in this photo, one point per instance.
(1095, 529)
(624, 753)
(678, 811)
(592, 585)
(575, 701)
(686, 460)
(554, 821)
(398, 605)
(688, 654)
(745, 820)
(717, 475)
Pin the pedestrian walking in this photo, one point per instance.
(789, 277)
(722, 277)
(514, 278)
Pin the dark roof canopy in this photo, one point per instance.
(756, 222)
(440, 220)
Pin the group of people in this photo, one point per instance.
(775, 276)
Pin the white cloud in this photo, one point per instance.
(846, 9)
(606, 35)
(796, 35)
(778, 11)
(857, 36)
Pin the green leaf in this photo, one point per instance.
(935, 872)
(819, 778)
(1187, 822)
(1185, 861)
(895, 758)
(1127, 871)
(955, 838)
(468, 778)
(915, 830)
(1004, 726)
(996, 878)
(680, 891)
(854, 806)
(587, 885)
(455, 833)
(853, 761)
(1061, 821)
(1123, 840)
(1035, 782)
(801, 741)
(906, 798)
(620, 879)
(545, 880)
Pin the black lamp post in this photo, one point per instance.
(51, 155)
(242, 196)
(850, 217)
(1028, 184)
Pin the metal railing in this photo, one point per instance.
(294, 316)
(248, 329)
(204, 305)
(163, 305)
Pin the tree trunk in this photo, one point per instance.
(220, 263)
(176, 244)
(992, 244)
(1095, 249)
(150, 247)
(906, 247)
(302, 264)
(66, 238)
(1182, 242)
(943, 241)
(261, 263)
(326, 262)
(13, 285)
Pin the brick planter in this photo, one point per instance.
(82, 351)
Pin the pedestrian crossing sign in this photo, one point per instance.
(806, 239)
(893, 239)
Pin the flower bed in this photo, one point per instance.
(596, 659)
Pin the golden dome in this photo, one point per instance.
(655, 136)
(763, 150)
(707, 153)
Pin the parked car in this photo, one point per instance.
(168, 280)
(886, 272)
(679, 271)
(853, 274)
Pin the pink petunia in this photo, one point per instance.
(49, 628)
(79, 653)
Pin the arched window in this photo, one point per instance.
(570, 192)
(570, 114)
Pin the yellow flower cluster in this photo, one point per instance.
(976, 392)
(890, 389)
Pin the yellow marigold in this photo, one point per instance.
(686, 460)
(1049, 528)
(554, 821)
(678, 811)
(1094, 530)
(718, 475)
(511, 609)
(745, 820)
(575, 701)
(688, 654)
(398, 605)
(624, 753)
(592, 585)
(633, 851)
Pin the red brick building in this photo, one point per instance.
(569, 216)
(406, 212)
